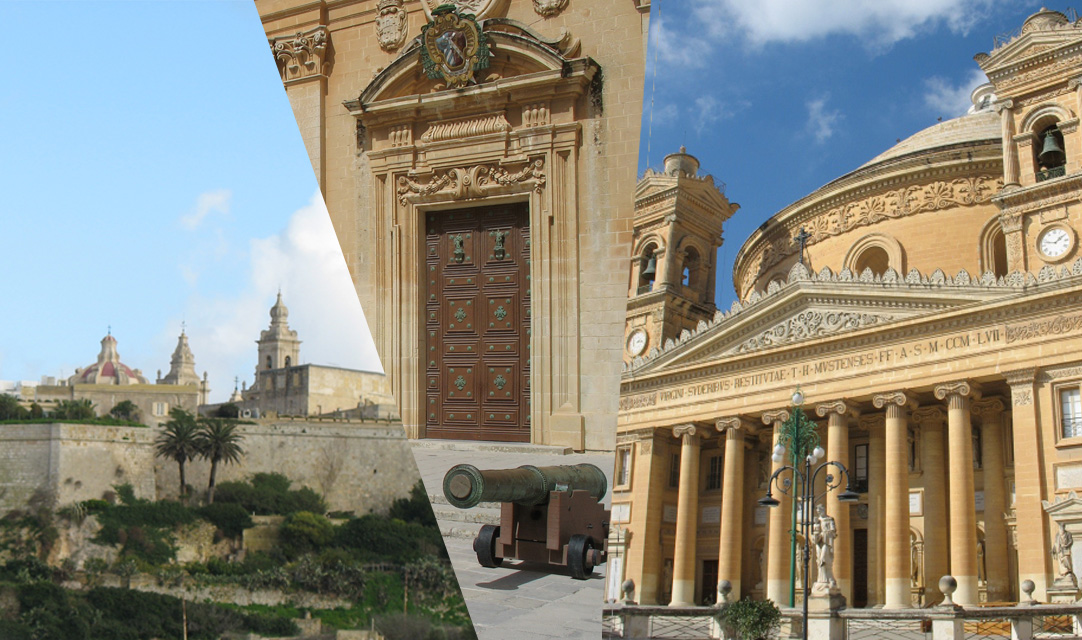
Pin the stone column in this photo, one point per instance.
(838, 414)
(936, 563)
(1030, 522)
(777, 545)
(732, 502)
(896, 513)
(1010, 152)
(873, 424)
(991, 412)
(963, 513)
(687, 518)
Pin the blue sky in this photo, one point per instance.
(151, 173)
(779, 97)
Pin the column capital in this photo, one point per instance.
(840, 407)
(684, 431)
(1000, 105)
(931, 414)
(870, 421)
(1021, 377)
(900, 398)
(989, 407)
(735, 423)
(1075, 82)
(964, 388)
(778, 415)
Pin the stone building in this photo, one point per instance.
(476, 160)
(108, 382)
(927, 306)
(284, 386)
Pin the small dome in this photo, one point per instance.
(681, 163)
(108, 369)
(279, 312)
(1044, 20)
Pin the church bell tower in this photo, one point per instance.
(678, 224)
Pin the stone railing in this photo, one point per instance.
(1025, 621)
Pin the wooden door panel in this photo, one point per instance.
(477, 315)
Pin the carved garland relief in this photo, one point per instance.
(472, 182)
(885, 206)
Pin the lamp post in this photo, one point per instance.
(799, 439)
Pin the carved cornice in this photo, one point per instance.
(888, 205)
(899, 398)
(472, 182)
(466, 128)
(1041, 72)
(963, 388)
(1021, 377)
(989, 407)
(931, 414)
(303, 55)
(1060, 373)
(778, 415)
(1042, 97)
(810, 324)
(1021, 201)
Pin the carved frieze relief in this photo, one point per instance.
(473, 181)
(807, 325)
(466, 128)
(302, 55)
(894, 204)
(1055, 326)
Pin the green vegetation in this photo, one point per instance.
(751, 619)
(125, 410)
(178, 442)
(268, 494)
(81, 411)
(217, 441)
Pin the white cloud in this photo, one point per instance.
(949, 100)
(306, 262)
(878, 24)
(707, 111)
(821, 121)
(674, 48)
(208, 202)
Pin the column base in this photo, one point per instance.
(683, 593)
(967, 594)
(778, 592)
(898, 594)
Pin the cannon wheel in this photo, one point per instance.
(578, 556)
(485, 546)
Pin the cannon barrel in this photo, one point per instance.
(465, 485)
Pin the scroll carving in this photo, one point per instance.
(899, 398)
(960, 388)
(472, 182)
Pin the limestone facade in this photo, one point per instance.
(546, 115)
(942, 369)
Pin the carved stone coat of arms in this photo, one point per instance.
(390, 24)
(453, 47)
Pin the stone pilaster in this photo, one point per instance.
(991, 411)
(687, 517)
(936, 562)
(732, 501)
(896, 513)
(1031, 525)
(838, 415)
(963, 514)
(777, 549)
(1010, 152)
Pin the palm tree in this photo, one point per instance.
(179, 441)
(218, 441)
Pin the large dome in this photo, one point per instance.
(108, 369)
(974, 127)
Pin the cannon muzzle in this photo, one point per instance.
(466, 486)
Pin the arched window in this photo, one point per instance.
(269, 362)
(993, 248)
(288, 361)
(689, 273)
(1051, 159)
(874, 258)
(647, 269)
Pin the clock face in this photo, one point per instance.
(1055, 242)
(636, 342)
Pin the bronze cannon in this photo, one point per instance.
(550, 515)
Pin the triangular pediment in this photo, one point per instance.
(810, 307)
(1047, 44)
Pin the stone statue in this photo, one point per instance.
(824, 532)
(1062, 551)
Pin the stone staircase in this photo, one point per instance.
(463, 524)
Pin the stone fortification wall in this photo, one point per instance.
(73, 462)
(359, 467)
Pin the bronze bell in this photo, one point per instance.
(1051, 154)
(651, 268)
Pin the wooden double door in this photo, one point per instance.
(477, 323)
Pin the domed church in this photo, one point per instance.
(926, 307)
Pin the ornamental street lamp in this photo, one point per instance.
(799, 439)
